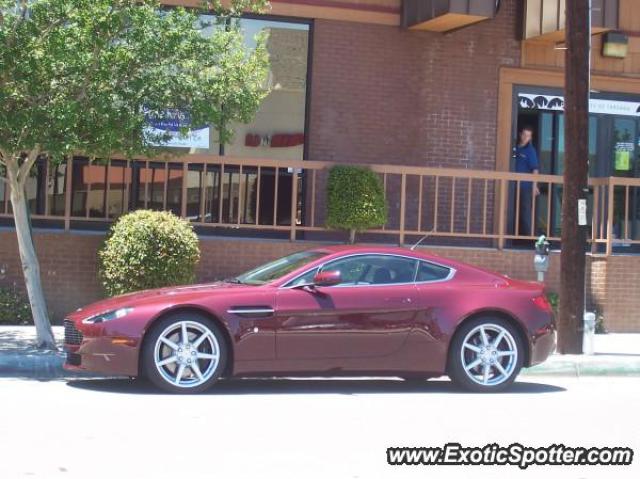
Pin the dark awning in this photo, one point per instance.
(445, 15)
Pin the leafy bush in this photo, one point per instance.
(148, 249)
(14, 308)
(355, 199)
(553, 299)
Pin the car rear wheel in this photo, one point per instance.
(486, 355)
(184, 353)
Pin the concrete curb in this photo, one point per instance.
(45, 366)
(576, 366)
(38, 365)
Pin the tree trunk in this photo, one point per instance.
(352, 236)
(576, 170)
(31, 269)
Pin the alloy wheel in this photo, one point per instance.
(186, 354)
(489, 354)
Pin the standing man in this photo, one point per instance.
(526, 161)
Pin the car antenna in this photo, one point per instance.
(421, 240)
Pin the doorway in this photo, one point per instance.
(614, 150)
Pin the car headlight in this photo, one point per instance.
(108, 316)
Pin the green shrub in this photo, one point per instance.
(355, 199)
(148, 249)
(553, 301)
(14, 308)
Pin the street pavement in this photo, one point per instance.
(329, 429)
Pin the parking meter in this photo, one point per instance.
(541, 259)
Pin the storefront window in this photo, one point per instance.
(119, 176)
(56, 183)
(278, 128)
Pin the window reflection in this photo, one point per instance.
(195, 185)
(174, 189)
(278, 128)
(56, 187)
(89, 189)
(212, 185)
(119, 176)
(34, 186)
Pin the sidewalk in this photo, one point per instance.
(615, 355)
(20, 359)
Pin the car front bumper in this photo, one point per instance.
(92, 348)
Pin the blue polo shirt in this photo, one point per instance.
(526, 161)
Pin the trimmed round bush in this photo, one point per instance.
(355, 199)
(14, 308)
(146, 250)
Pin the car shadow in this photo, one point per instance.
(307, 386)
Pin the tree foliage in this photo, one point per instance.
(79, 75)
(14, 308)
(355, 199)
(148, 249)
(83, 76)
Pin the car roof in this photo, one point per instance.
(418, 253)
(374, 249)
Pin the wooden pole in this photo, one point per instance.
(576, 168)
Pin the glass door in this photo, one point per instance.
(623, 156)
(557, 165)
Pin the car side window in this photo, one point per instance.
(431, 272)
(373, 269)
(306, 278)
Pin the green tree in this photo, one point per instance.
(355, 199)
(82, 75)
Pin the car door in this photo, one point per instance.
(369, 314)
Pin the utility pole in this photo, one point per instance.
(576, 171)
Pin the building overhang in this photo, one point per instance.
(445, 15)
(544, 20)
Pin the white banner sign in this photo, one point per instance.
(556, 103)
(169, 123)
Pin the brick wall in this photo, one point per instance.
(621, 290)
(381, 94)
(69, 270)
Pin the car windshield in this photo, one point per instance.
(277, 269)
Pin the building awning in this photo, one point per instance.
(545, 19)
(445, 15)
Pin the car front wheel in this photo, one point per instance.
(184, 353)
(486, 355)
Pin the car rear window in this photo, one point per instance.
(432, 272)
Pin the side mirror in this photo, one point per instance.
(327, 278)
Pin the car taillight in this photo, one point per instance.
(542, 303)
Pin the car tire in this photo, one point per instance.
(184, 366)
(486, 355)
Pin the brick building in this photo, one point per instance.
(430, 94)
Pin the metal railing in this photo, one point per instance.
(288, 197)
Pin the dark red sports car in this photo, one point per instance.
(336, 310)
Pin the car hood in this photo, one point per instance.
(142, 297)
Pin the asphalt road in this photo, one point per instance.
(302, 429)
